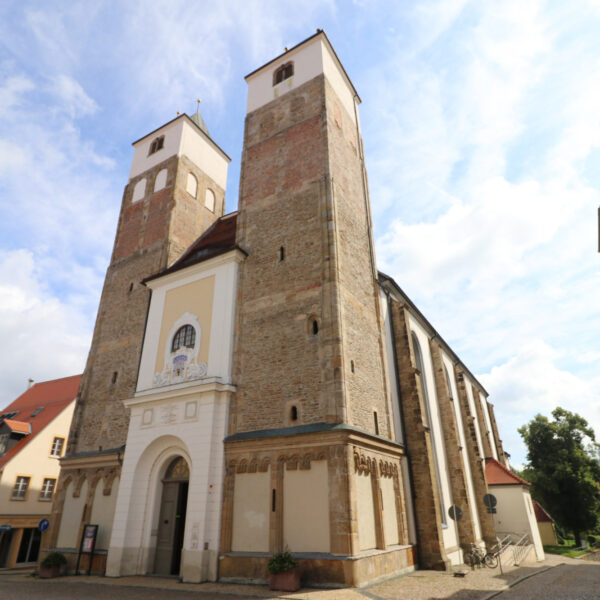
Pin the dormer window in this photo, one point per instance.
(184, 338)
(157, 144)
(284, 72)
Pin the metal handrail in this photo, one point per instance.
(521, 548)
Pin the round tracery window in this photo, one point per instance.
(185, 337)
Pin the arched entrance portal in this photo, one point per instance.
(171, 524)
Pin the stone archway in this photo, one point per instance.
(171, 523)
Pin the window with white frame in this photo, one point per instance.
(57, 446)
(20, 489)
(47, 488)
(4, 442)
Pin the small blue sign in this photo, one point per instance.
(43, 524)
(5, 527)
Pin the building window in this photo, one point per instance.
(157, 144)
(57, 446)
(161, 180)
(209, 200)
(4, 442)
(47, 488)
(184, 337)
(20, 489)
(284, 72)
(191, 186)
(37, 411)
(139, 191)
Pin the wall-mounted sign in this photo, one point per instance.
(5, 527)
(43, 524)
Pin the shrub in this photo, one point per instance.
(54, 559)
(280, 562)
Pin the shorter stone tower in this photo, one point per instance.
(175, 192)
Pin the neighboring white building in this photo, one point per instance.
(33, 430)
(515, 512)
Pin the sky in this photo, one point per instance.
(481, 125)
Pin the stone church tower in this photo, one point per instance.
(175, 192)
(310, 427)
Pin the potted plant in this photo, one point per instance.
(284, 572)
(52, 565)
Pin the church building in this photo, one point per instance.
(254, 384)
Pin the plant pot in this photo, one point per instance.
(288, 581)
(50, 572)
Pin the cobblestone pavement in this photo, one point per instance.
(579, 580)
(565, 582)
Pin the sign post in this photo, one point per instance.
(490, 501)
(87, 545)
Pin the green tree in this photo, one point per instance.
(564, 469)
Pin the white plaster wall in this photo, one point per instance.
(449, 530)
(464, 452)
(367, 538)
(251, 506)
(71, 517)
(306, 509)
(220, 355)
(182, 138)
(103, 512)
(142, 161)
(203, 153)
(310, 60)
(515, 514)
(390, 515)
(34, 460)
(168, 433)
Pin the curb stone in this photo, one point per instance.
(517, 581)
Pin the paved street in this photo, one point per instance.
(565, 582)
(557, 578)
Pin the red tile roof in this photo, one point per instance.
(18, 426)
(216, 240)
(54, 396)
(497, 474)
(541, 516)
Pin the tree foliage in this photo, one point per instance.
(564, 469)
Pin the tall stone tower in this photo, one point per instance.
(175, 192)
(311, 409)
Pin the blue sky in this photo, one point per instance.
(481, 126)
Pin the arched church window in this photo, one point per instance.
(178, 470)
(209, 200)
(284, 72)
(191, 186)
(161, 180)
(185, 337)
(157, 144)
(139, 191)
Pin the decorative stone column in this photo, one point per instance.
(432, 554)
(458, 478)
(476, 460)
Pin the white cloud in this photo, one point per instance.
(72, 97)
(529, 383)
(43, 337)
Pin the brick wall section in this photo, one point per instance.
(485, 433)
(476, 460)
(499, 448)
(432, 554)
(458, 478)
(288, 200)
(151, 234)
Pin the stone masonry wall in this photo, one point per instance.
(432, 554)
(476, 459)
(457, 475)
(151, 234)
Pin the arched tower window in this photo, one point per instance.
(139, 191)
(283, 72)
(184, 337)
(161, 180)
(209, 200)
(191, 186)
(157, 144)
